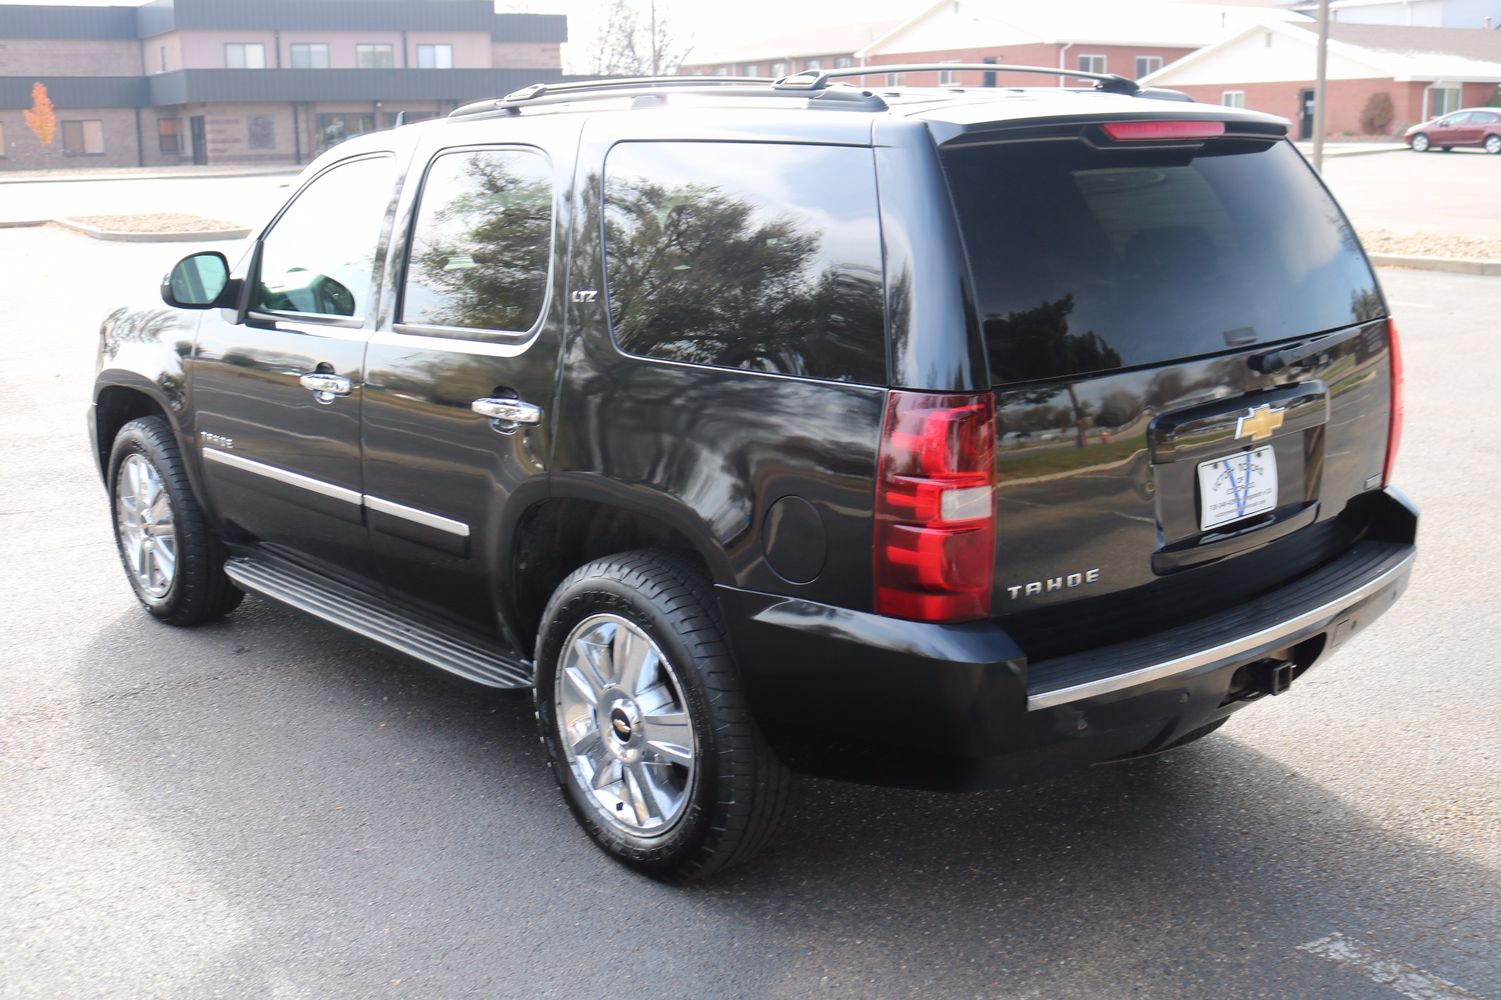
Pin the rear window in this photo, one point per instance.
(759, 256)
(1088, 260)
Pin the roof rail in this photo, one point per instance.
(548, 93)
(818, 79)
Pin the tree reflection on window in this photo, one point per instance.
(751, 256)
(481, 244)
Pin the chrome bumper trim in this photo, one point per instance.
(1266, 637)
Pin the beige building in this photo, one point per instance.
(276, 81)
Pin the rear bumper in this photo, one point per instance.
(859, 696)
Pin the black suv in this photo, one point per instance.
(930, 438)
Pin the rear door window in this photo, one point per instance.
(1087, 260)
(757, 256)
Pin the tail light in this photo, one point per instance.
(935, 507)
(1394, 433)
(1159, 131)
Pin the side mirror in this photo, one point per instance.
(197, 281)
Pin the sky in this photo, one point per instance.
(710, 25)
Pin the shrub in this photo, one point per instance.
(1376, 116)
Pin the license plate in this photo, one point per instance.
(1237, 486)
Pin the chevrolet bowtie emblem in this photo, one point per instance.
(1259, 422)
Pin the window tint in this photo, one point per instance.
(481, 243)
(756, 256)
(320, 255)
(1084, 261)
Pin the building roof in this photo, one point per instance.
(813, 40)
(968, 24)
(1356, 51)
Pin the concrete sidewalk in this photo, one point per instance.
(1332, 149)
(187, 172)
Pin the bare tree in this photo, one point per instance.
(635, 38)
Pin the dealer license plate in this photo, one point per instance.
(1237, 486)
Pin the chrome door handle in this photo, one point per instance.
(507, 411)
(325, 387)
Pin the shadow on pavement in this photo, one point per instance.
(370, 821)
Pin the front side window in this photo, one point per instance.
(83, 138)
(319, 257)
(309, 55)
(757, 256)
(244, 55)
(481, 242)
(375, 56)
(435, 57)
(169, 135)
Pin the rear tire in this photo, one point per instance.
(1420, 143)
(1493, 144)
(172, 556)
(645, 723)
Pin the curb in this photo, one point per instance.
(1453, 265)
(22, 223)
(290, 171)
(214, 235)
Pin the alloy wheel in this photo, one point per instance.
(147, 531)
(624, 726)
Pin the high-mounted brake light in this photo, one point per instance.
(935, 507)
(1394, 433)
(1146, 131)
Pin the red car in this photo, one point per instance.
(1465, 127)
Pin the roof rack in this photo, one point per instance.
(813, 84)
(818, 79)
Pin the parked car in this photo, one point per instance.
(1465, 127)
(687, 406)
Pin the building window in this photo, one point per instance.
(83, 138)
(813, 64)
(2, 140)
(1092, 64)
(169, 136)
(1267, 43)
(722, 71)
(947, 78)
(1233, 98)
(375, 56)
(778, 69)
(435, 57)
(162, 53)
(752, 69)
(1442, 99)
(244, 55)
(310, 55)
(843, 62)
(1147, 65)
(334, 129)
(893, 79)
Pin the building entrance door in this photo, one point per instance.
(199, 132)
(1305, 114)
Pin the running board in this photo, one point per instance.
(468, 656)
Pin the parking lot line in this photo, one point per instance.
(1394, 974)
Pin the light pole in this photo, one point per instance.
(1319, 87)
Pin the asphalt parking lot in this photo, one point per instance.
(267, 808)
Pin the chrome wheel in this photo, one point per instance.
(1493, 144)
(624, 726)
(147, 532)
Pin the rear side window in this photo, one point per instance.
(763, 257)
(1088, 260)
(481, 242)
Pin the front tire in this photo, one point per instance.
(645, 723)
(172, 557)
(1420, 143)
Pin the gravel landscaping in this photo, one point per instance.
(1431, 245)
(156, 222)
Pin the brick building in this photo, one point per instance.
(269, 81)
(1426, 71)
(830, 46)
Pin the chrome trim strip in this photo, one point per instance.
(283, 476)
(421, 517)
(1203, 657)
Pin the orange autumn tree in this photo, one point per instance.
(41, 119)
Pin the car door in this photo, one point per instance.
(277, 391)
(1446, 130)
(1465, 130)
(460, 383)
